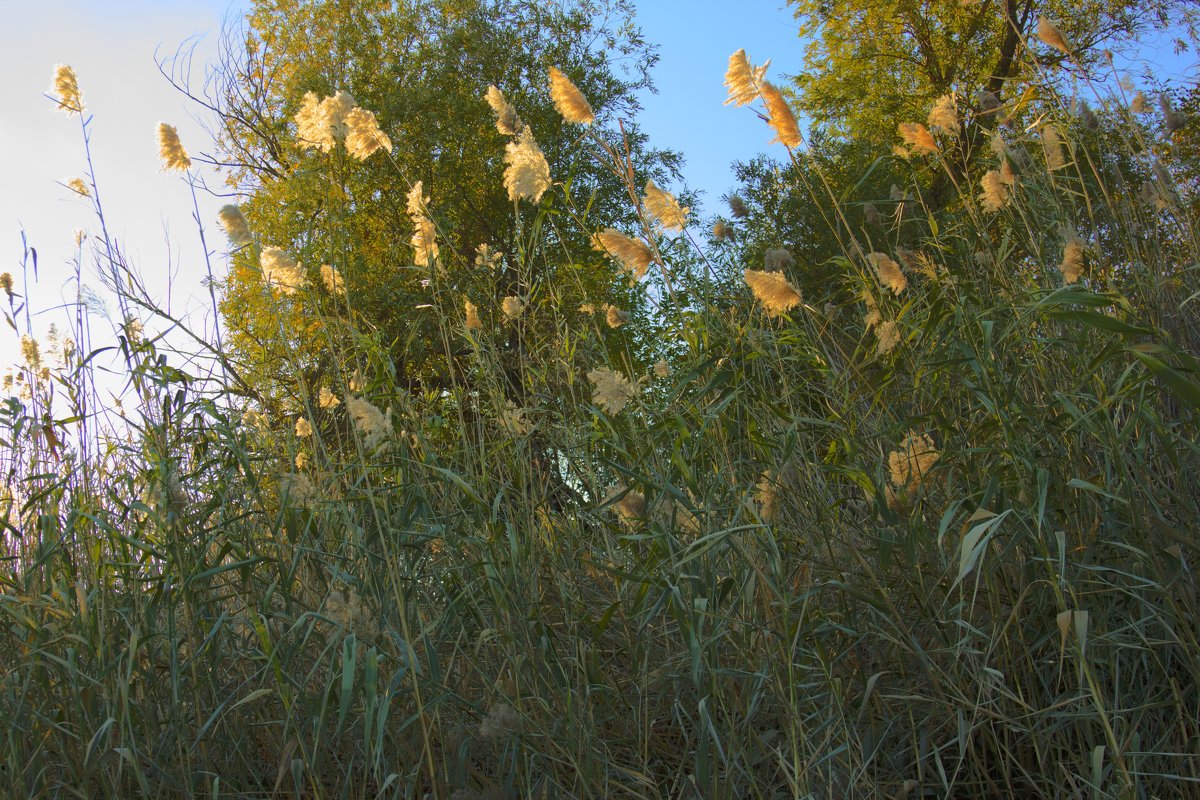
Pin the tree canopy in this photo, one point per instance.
(873, 63)
(423, 69)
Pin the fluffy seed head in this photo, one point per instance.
(472, 312)
(909, 466)
(615, 317)
(170, 150)
(917, 137)
(665, 208)
(507, 121)
(737, 206)
(872, 317)
(777, 258)
(235, 225)
(1139, 104)
(512, 307)
(363, 136)
(371, 423)
(133, 329)
(1050, 35)
(500, 722)
(298, 489)
(774, 291)
(304, 428)
(987, 101)
(1052, 147)
(424, 238)
(527, 176)
(611, 390)
(1072, 261)
(331, 277)
(766, 496)
(569, 101)
(327, 399)
(77, 186)
(888, 334)
(487, 258)
(889, 272)
(31, 354)
(321, 123)
(280, 270)
(944, 115)
(66, 87)
(743, 80)
(630, 508)
(1172, 119)
(787, 130)
(996, 193)
(634, 254)
(722, 230)
(513, 419)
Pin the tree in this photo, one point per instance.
(872, 66)
(423, 69)
(876, 63)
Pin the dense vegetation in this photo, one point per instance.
(884, 488)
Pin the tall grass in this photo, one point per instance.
(740, 585)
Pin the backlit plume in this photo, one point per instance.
(611, 390)
(917, 137)
(743, 80)
(371, 423)
(527, 176)
(889, 272)
(1050, 35)
(569, 101)
(787, 131)
(634, 254)
(997, 188)
(1072, 261)
(170, 150)
(235, 225)
(888, 335)
(363, 136)
(512, 307)
(332, 278)
(944, 115)
(280, 270)
(774, 291)
(472, 315)
(424, 238)
(320, 123)
(1052, 147)
(66, 87)
(776, 259)
(327, 399)
(665, 208)
(507, 121)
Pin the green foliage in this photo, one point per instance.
(424, 69)
(882, 63)
(918, 537)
